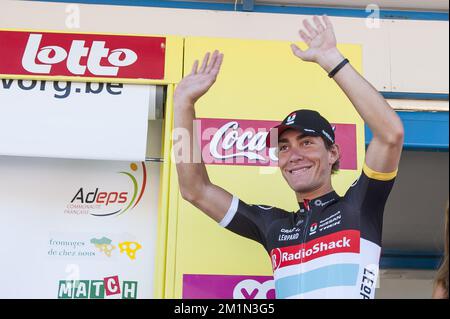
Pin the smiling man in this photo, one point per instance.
(330, 247)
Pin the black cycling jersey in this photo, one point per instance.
(330, 247)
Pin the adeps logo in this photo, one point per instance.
(101, 203)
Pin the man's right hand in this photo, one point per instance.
(198, 82)
(193, 179)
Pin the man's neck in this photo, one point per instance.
(324, 189)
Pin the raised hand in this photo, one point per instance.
(321, 42)
(197, 83)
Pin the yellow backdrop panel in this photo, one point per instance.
(259, 80)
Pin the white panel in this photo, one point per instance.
(50, 234)
(419, 53)
(74, 120)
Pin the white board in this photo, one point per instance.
(53, 236)
(74, 120)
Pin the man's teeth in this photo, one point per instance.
(297, 171)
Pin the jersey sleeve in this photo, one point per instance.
(370, 193)
(250, 221)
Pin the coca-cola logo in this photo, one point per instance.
(37, 59)
(82, 55)
(243, 142)
(240, 142)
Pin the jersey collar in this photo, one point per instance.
(320, 201)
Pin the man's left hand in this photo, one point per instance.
(321, 42)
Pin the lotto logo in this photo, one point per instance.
(87, 55)
(50, 55)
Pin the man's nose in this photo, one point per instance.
(296, 154)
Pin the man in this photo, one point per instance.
(330, 248)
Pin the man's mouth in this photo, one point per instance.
(299, 170)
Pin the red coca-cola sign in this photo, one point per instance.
(81, 55)
(243, 142)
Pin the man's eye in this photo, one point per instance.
(307, 142)
(283, 148)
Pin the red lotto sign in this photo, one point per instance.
(82, 55)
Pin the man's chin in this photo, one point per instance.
(302, 189)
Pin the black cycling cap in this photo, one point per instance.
(306, 121)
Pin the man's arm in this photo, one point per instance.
(383, 152)
(193, 179)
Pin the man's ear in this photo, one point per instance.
(334, 154)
